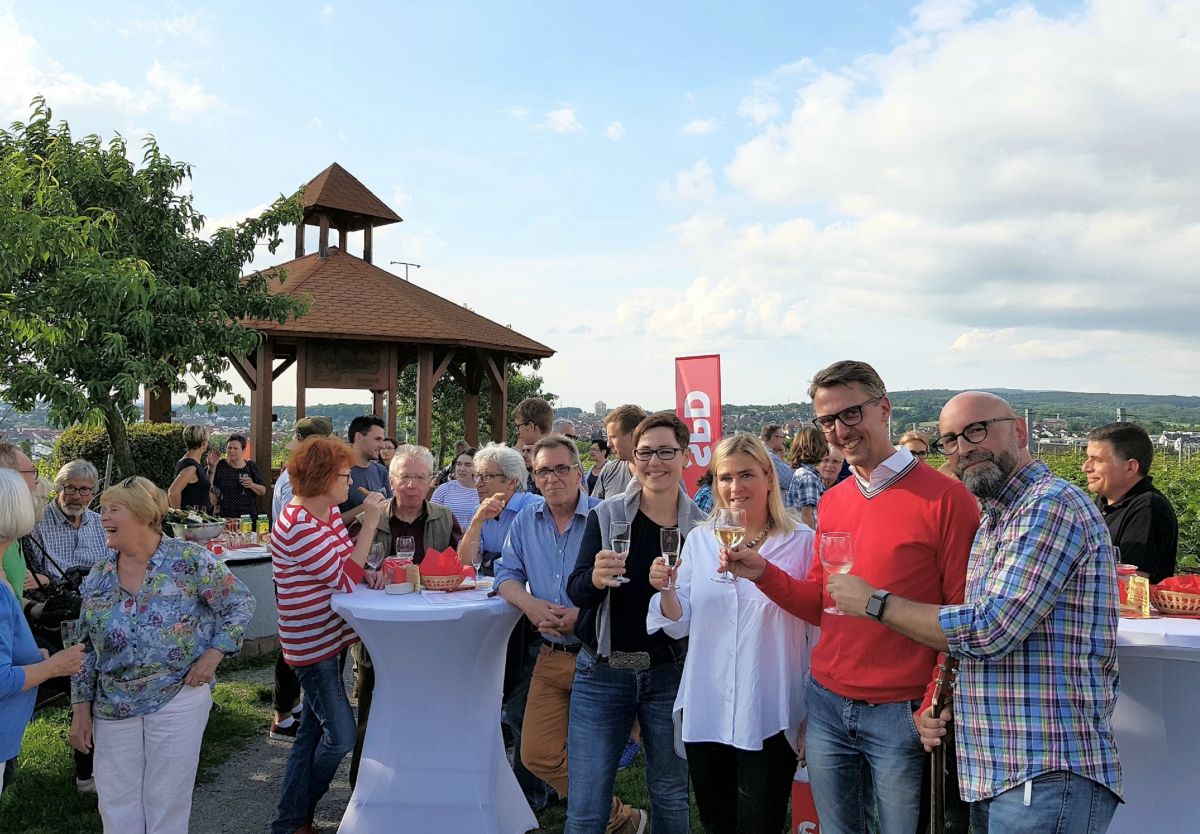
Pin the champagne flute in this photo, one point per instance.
(837, 556)
(406, 547)
(618, 533)
(730, 529)
(668, 540)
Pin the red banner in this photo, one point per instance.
(698, 404)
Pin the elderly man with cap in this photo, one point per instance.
(286, 698)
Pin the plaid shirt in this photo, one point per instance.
(68, 546)
(1037, 639)
(806, 489)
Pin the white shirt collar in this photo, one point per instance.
(886, 471)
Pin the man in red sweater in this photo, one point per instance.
(912, 528)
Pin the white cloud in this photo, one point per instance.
(400, 197)
(694, 184)
(185, 99)
(519, 113)
(939, 15)
(615, 131)
(758, 109)
(160, 30)
(315, 123)
(701, 127)
(327, 11)
(562, 120)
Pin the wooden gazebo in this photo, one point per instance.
(364, 325)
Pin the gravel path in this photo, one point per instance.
(243, 797)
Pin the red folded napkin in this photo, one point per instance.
(1187, 583)
(441, 562)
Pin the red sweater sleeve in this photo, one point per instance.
(799, 597)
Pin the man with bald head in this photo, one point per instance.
(1036, 636)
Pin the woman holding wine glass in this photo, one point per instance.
(622, 672)
(741, 745)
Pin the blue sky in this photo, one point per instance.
(964, 194)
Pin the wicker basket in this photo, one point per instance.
(1175, 602)
(441, 583)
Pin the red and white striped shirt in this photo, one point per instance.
(311, 560)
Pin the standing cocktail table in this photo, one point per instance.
(433, 759)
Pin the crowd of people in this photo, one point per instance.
(729, 665)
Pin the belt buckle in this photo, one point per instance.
(635, 661)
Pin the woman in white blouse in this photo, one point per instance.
(741, 702)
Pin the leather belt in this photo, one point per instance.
(641, 661)
(566, 648)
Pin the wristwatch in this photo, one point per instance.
(876, 603)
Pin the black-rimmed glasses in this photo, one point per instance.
(70, 490)
(488, 477)
(668, 453)
(561, 471)
(972, 432)
(851, 416)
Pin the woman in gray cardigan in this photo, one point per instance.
(622, 672)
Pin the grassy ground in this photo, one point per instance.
(42, 798)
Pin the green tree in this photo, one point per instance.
(106, 285)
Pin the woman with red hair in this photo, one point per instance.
(312, 558)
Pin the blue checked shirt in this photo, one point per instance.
(1037, 639)
(783, 472)
(68, 547)
(537, 554)
(806, 489)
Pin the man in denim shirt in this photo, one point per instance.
(532, 573)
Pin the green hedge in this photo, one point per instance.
(156, 447)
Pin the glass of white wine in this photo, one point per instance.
(618, 533)
(668, 540)
(71, 632)
(837, 556)
(730, 528)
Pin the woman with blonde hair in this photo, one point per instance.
(916, 442)
(159, 614)
(741, 746)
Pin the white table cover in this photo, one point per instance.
(1157, 726)
(433, 759)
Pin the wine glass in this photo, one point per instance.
(377, 555)
(837, 556)
(730, 528)
(668, 540)
(406, 547)
(71, 631)
(618, 533)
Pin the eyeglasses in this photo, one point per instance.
(560, 471)
(132, 481)
(667, 453)
(972, 433)
(347, 475)
(70, 490)
(487, 477)
(407, 480)
(920, 454)
(851, 416)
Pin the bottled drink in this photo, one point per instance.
(247, 526)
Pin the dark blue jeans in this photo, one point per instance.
(604, 702)
(326, 735)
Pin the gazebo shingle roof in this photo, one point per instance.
(338, 191)
(398, 311)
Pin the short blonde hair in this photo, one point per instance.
(748, 444)
(194, 437)
(16, 506)
(141, 497)
(918, 436)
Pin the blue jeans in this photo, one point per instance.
(604, 702)
(1060, 802)
(327, 733)
(859, 755)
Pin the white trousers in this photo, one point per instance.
(145, 767)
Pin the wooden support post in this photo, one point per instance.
(472, 381)
(497, 373)
(301, 377)
(260, 416)
(367, 246)
(425, 383)
(377, 404)
(323, 239)
(156, 405)
(393, 360)
(300, 239)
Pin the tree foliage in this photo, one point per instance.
(106, 284)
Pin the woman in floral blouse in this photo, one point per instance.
(159, 614)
